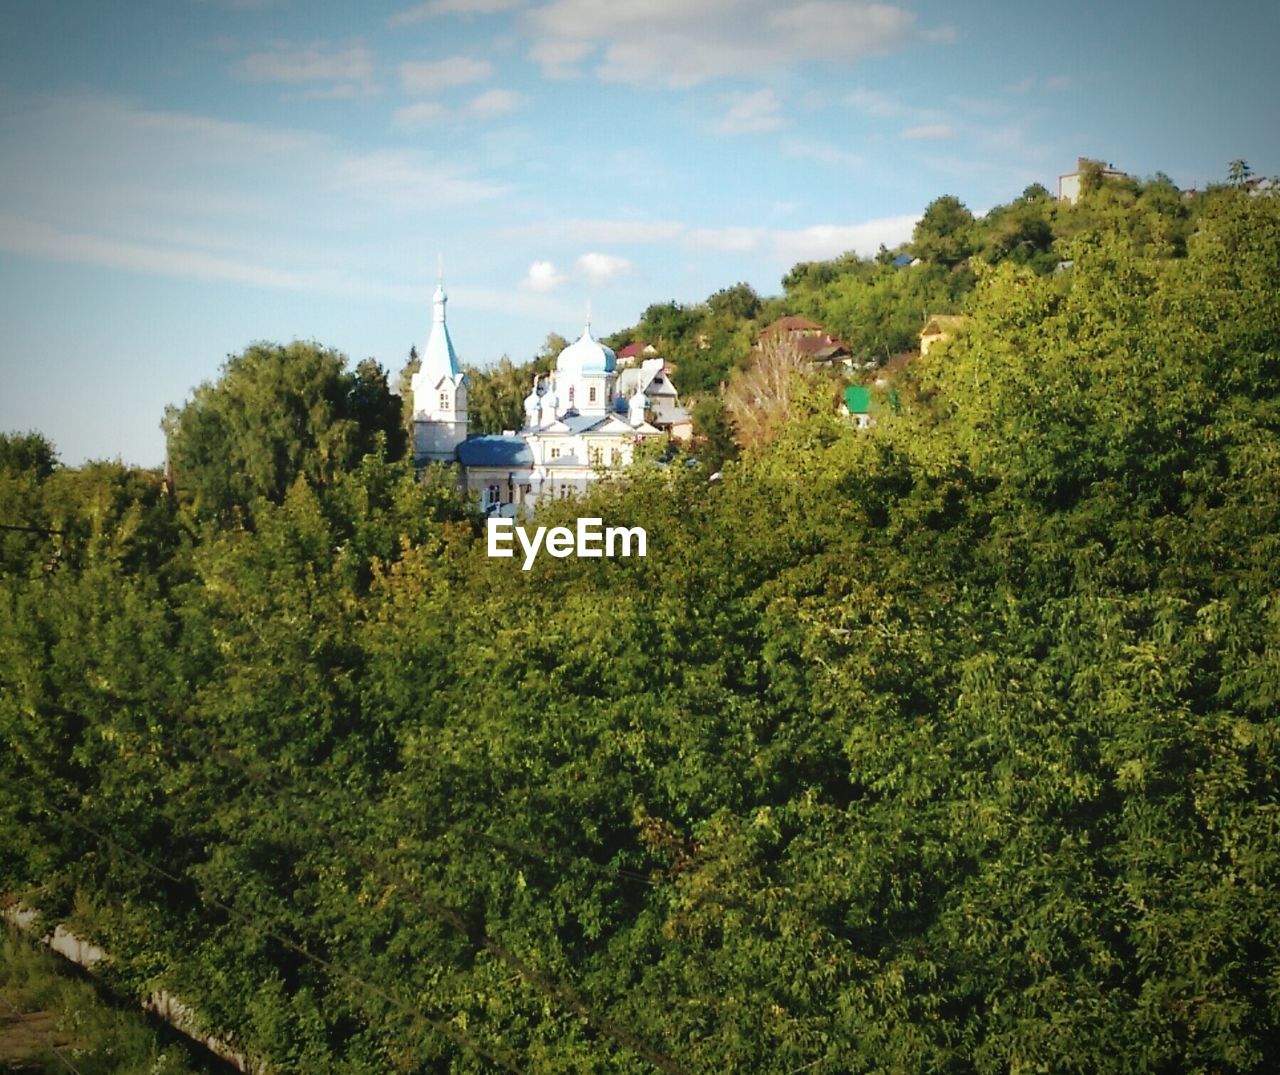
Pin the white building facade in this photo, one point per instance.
(439, 393)
(580, 423)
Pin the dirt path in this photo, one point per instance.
(28, 1038)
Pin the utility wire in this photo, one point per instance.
(561, 992)
(458, 1037)
(48, 1040)
(32, 529)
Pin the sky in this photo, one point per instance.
(182, 178)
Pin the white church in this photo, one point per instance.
(582, 422)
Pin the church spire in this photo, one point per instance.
(439, 358)
(439, 298)
(439, 389)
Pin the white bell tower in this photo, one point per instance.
(439, 392)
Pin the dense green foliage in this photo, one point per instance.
(51, 1022)
(949, 745)
(876, 306)
(278, 413)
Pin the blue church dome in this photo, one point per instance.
(586, 355)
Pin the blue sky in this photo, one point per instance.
(179, 178)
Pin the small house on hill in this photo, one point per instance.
(857, 404)
(652, 377)
(809, 338)
(1070, 183)
(895, 365)
(636, 352)
(939, 327)
(861, 404)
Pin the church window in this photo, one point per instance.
(444, 401)
(597, 456)
(555, 453)
(492, 497)
(615, 457)
(591, 394)
(571, 395)
(564, 492)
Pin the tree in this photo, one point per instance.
(404, 389)
(1021, 231)
(759, 398)
(1239, 172)
(30, 453)
(713, 430)
(666, 324)
(495, 398)
(1091, 173)
(549, 352)
(737, 303)
(277, 413)
(944, 235)
(378, 410)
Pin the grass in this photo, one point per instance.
(52, 1020)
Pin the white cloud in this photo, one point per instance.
(878, 105)
(750, 112)
(491, 103)
(542, 276)
(409, 180)
(1031, 82)
(419, 114)
(612, 232)
(558, 57)
(494, 102)
(682, 44)
(348, 71)
(822, 241)
(929, 132)
(20, 236)
(422, 77)
(825, 153)
(815, 243)
(601, 268)
(732, 240)
(434, 9)
(186, 195)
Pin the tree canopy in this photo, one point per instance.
(944, 745)
(277, 413)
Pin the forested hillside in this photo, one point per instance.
(878, 305)
(946, 745)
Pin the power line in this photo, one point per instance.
(458, 1037)
(32, 529)
(563, 993)
(480, 939)
(66, 1063)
